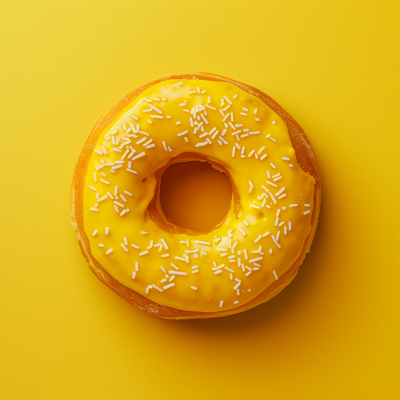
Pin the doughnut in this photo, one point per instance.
(177, 272)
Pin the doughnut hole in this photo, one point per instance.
(194, 195)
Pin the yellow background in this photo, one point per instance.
(333, 333)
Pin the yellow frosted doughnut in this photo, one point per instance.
(175, 272)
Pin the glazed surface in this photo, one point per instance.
(239, 259)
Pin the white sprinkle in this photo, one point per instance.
(165, 244)
(143, 253)
(285, 158)
(274, 240)
(227, 99)
(193, 287)
(253, 206)
(272, 197)
(128, 193)
(139, 155)
(102, 180)
(233, 151)
(263, 203)
(202, 242)
(276, 276)
(280, 191)
(221, 303)
(169, 286)
(255, 259)
(204, 119)
(133, 275)
(241, 231)
(177, 273)
(262, 158)
(131, 171)
(218, 272)
(258, 239)
(307, 212)
(156, 287)
(165, 255)
(123, 246)
(117, 166)
(236, 302)
(109, 251)
(250, 183)
(183, 133)
(177, 84)
(237, 285)
(148, 142)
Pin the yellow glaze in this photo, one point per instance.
(212, 289)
